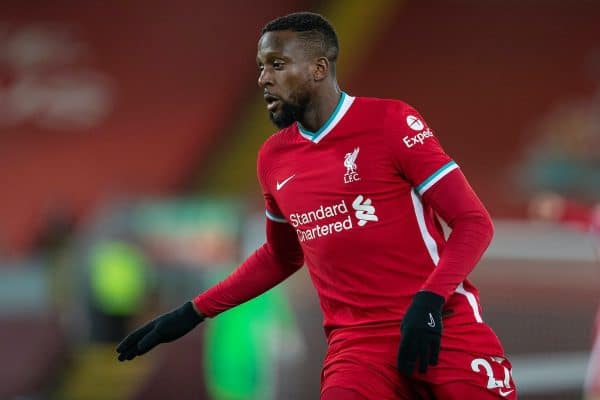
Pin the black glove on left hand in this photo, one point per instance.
(165, 328)
(421, 333)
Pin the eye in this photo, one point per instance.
(278, 65)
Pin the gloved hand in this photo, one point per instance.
(421, 333)
(165, 328)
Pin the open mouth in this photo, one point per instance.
(272, 102)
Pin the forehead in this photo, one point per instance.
(283, 43)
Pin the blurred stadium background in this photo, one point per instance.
(128, 136)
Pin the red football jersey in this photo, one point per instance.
(353, 193)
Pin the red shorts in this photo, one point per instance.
(367, 366)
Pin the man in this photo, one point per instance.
(352, 186)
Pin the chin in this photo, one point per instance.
(282, 119)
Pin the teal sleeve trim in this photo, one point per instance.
(275, 218)
(436, 176)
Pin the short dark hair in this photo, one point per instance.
(314, 29)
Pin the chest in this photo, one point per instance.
(307, 176)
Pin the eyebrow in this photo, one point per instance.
(272, 55)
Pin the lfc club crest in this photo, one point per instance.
(351, 174)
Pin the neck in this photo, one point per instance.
(321, 106)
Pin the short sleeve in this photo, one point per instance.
(272, 210)
(416, 152)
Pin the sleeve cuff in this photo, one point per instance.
(198, 304)
(275, 217)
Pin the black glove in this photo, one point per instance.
(166, 328)
(421, 333)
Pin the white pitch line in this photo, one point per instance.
(543, 373)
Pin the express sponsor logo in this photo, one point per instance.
(419, 138)
(414, 123)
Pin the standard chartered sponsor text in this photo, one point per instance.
(319, 230)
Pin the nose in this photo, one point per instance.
(264, 78)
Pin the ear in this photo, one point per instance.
(321, 69)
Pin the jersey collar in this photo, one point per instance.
(335, 117)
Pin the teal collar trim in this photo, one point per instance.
(340, 110)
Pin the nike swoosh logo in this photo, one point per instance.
(281, 184)
(504, 394)
(431, 322)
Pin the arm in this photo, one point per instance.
(455, 202)
(437, 179)
(272, 263)
(420, 160)
(276, 260)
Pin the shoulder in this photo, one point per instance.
(386, 109)
(394, 116)
(381, 103)
(274, 144)
(276, 140)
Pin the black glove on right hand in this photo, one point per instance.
(421, 333)
(166, 328)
